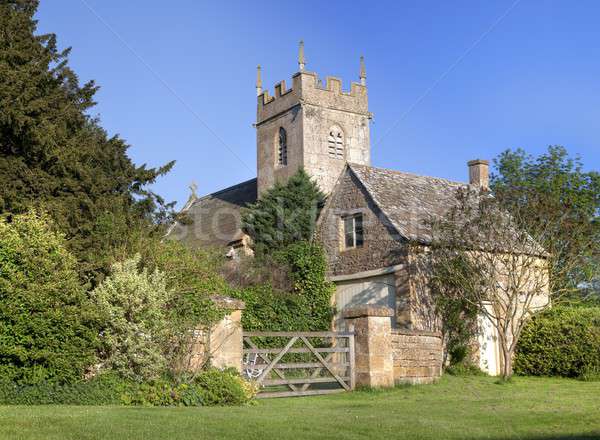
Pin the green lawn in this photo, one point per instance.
(455, 408)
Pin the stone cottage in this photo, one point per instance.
(370, 216)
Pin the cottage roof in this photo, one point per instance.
(412, 203)
(408, 200)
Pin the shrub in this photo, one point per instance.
(209, 388)
(101, 390)
(225, 387)
(44, 331)
(464, 369)
(563, 341)
(162, 393)
(191, 277)
(308, 267)
(135, 326)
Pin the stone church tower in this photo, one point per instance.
(316, 127)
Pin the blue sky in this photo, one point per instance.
(448, 81)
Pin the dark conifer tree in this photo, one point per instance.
(284, 214)
(54, 155)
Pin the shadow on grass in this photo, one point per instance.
(363, 389)
(592, 436)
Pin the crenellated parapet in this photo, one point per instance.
(312, 124)
(307, 88)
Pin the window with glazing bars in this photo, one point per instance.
(353, 231)
(282, 147)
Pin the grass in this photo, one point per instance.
(454, 408)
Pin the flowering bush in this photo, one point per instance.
(132, 306)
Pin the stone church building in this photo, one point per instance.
(371, 214)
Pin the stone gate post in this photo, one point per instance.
(374, 364)
(222, 344)
(226, 337)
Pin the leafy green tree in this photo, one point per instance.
(132, 303)
(488, 260)
(53, 154)
(45, 332)
(284, 214)
(557, 200)
(285, 287)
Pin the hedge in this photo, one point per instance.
(562, 341)
(46, 321)
(208, 388)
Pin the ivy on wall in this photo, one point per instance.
(307, 304)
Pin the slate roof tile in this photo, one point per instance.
(408, 200)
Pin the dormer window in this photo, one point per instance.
(282, 147)
(335, 143)
(353, 231)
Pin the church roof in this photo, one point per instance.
(238, 195)
(216, 216)
(408, 200)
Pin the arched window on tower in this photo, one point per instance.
(335, 143)
(282, 147)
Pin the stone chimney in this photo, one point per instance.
(479, 173)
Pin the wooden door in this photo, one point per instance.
(378, 290)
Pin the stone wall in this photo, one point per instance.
(417, 356)
(421, 303)
(383, 356)
(267, 145)
(318, 120)
(381, 247)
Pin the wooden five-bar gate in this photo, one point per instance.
(299, 363)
